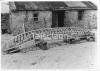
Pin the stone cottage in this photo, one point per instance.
(27, 16)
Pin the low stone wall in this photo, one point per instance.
(47, 34)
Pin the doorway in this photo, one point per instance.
(58, 18)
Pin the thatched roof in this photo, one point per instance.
(54, 5)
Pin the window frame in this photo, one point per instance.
(35, 16)
(80, 14)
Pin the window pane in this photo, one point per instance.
(35, 14)
(80, 14)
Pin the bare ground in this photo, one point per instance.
(70, 56)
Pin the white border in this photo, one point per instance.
(98, 45)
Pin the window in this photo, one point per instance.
(80, 14)
(35, 16)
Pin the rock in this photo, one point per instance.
(41, 44)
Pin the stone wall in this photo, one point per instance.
(89, 19)
(71, 18)
(17, 22)
(22, 21)
(44, 20)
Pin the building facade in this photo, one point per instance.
(27, 16)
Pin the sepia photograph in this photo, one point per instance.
(49, 34)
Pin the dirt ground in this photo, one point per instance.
(66, 56)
